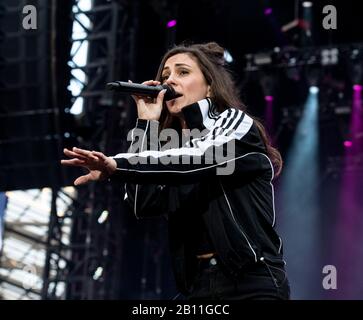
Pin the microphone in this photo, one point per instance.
(142, 89)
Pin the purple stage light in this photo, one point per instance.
(268, 11)
(171, 23)
(349, 220)
(269, 98)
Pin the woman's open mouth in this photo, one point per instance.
(179, 95)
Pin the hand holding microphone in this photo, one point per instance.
(148, 88)
(144, 95)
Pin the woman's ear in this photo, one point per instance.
(209, 93)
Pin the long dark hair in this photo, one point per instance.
(224, 92)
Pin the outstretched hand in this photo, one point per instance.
(100, 167)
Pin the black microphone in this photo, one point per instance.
(142, 89)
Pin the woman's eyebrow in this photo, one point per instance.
(182, 65)
(178, 65)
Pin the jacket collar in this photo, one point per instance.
(201, 114)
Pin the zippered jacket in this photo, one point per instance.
(219, 173)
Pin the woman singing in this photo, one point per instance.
(214, 185)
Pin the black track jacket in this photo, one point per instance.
(181, 183)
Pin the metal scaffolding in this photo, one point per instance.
(30, 142)
(31, 137)
(79, 239)
(25, 244)
(89, 266)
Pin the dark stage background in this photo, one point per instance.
(302, 81)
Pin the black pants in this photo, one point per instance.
(263, 281)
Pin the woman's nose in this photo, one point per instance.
(170, 80)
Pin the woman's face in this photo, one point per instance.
(183, 74)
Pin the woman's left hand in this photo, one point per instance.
(100, 167)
